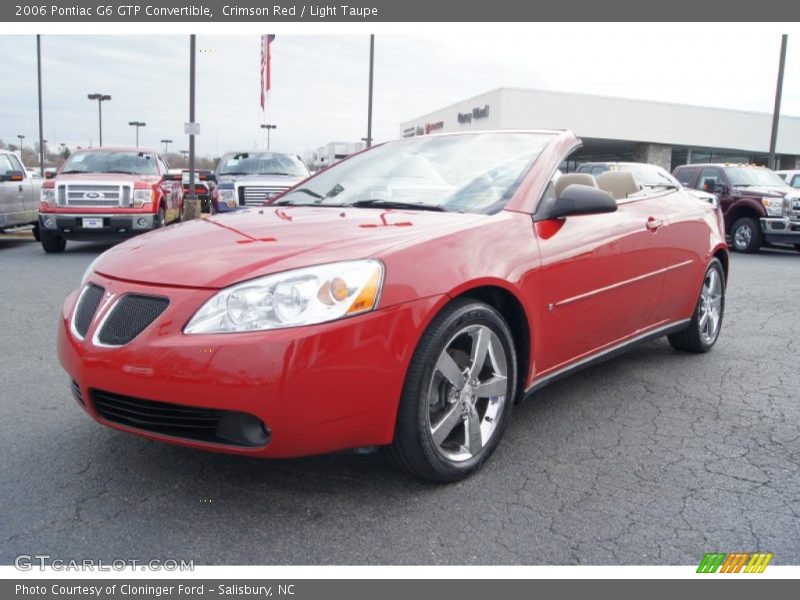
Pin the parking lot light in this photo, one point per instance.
(100, 99)
(268, 127)
(166, 146)
(137, 124)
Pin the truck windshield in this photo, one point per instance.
(475, 173)
(261, 163)
(753, 176)
(112, 161)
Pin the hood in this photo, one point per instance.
(772, 192)
(110, 177)
(223, 250)
(265, 180)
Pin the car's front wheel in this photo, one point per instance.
(52, 243)
(458, 394)
(706, 323)
(746, 235)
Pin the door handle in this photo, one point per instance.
(653, 224)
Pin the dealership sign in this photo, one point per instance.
(477, 113)
(433, 126)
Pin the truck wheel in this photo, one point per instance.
(36, 235)
(458, 394)
(797, 247)
(703, 331)
(52, 243)
(746, 235)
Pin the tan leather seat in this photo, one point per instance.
(571, 178)
(619, 184)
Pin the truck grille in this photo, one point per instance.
(90, 299)
(176, 420)
(130, 316)
(796, 209)
(256, 195)
(94, 195)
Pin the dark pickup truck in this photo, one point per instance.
(759, 207)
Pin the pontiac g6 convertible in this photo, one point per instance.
(406, 297)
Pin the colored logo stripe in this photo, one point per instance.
(758, 563)
(734, 562)
(711, 562)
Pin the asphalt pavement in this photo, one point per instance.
(655, 457)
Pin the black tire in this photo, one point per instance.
(36, 235)
(691, 339)
(797, 247)
(52, 244)
(413, 448)
(746, 235)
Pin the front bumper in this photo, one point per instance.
(72, 225)
(780, 230)
(316, 389)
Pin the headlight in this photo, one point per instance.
(142, 197)
(49, 196)
(774, 206)
(227, 196)
(299, 297)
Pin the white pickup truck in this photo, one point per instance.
(19, 194)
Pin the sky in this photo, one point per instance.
(319, 91)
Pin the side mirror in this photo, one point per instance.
(49, 174)
(577, 199)
(172, 176)
(12, 176)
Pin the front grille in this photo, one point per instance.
(130, 316)
(258, 194)
(94, 195)
(176, 420)
(90, 299)
(76, 392)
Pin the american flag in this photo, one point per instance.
(266, 75)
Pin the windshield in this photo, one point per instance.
(650, 175)
(113, 161)
(261, 163)
(759, 176)
(464, 173)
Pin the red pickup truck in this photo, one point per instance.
(107, 194)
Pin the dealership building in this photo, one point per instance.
(623, 129)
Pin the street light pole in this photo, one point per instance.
(166, 146)
(21, 137)
(100, 99)
(268, 127)
(369, 102)
(39, 77)
(137, 124)
(191, 205)
(776, 113)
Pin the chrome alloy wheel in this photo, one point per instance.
(710, 307)
(467, 393)
(742, 237)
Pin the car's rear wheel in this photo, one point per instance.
(703, 331)
(52, 243)
(746, 235)
(458, 394)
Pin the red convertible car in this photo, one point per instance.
(406, 297)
